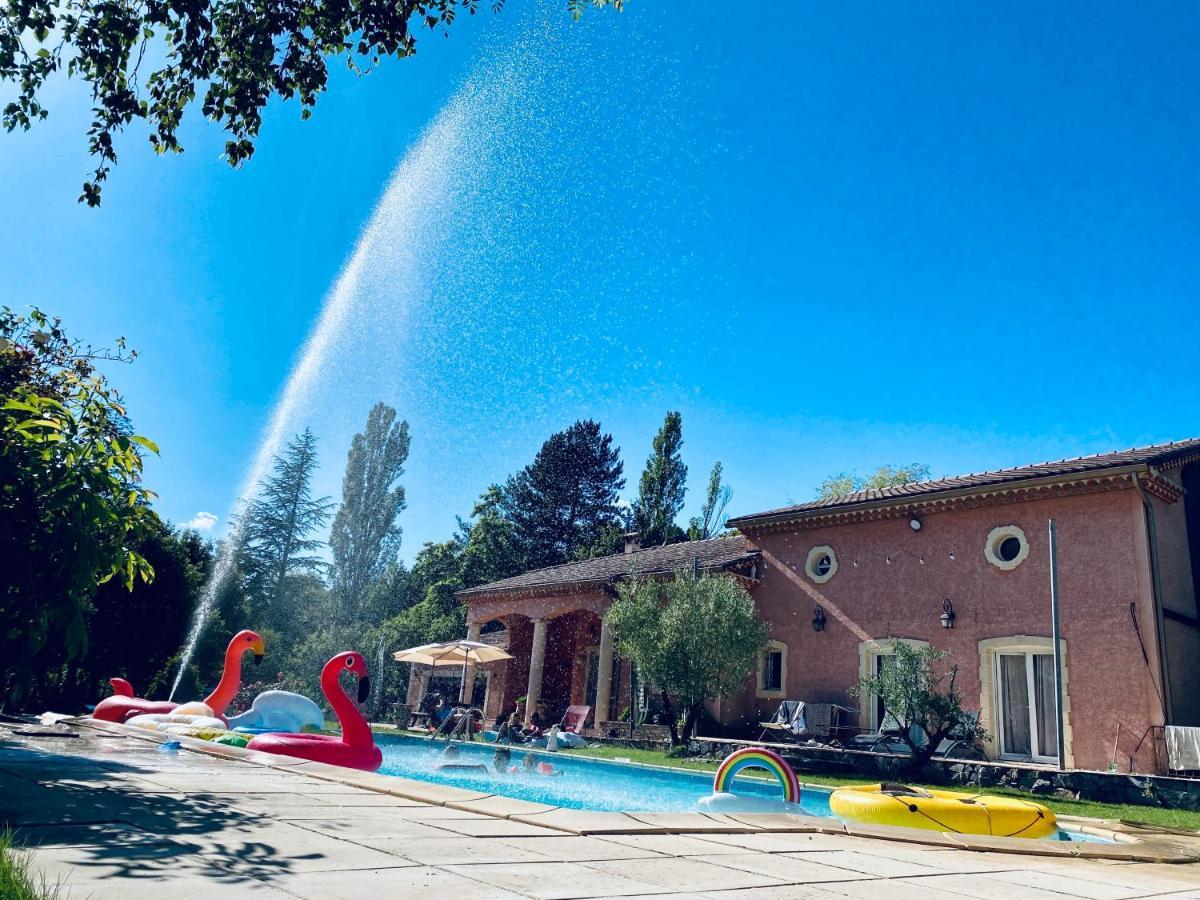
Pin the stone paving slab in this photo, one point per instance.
(121, 820)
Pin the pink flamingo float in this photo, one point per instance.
(355, 749)
(123, 705)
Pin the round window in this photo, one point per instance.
(1006, 547)
(821, 564)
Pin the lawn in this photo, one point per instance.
(1147, 815)
(17, 881)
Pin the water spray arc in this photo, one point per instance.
(422, 186)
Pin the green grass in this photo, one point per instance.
(1145, 815)
(17, 879)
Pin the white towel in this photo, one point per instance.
(1183, 747)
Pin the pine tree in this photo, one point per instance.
(563, 499)
(365, 537)
(663, 485)
(275, 537)
(712, 515)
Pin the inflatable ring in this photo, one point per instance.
(895, 804)
(758, 758)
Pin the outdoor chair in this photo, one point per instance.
(799, 721)
(573, 719)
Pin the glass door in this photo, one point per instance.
(1028, 725)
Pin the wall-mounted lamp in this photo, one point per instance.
(914, 522)
(818, 620)
(947, 614)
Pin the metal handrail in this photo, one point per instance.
(462, 717)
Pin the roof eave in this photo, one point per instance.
(592, 584)
(912, 501)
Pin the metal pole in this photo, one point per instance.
(1055, 636)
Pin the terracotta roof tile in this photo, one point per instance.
(715, 553)
(1157, 454)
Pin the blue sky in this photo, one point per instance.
(964, 235)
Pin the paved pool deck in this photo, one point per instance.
(110, 816)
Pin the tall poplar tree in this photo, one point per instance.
(565, 498)
(662, 487)
(712, 515)
(365, 536)
(276, 540)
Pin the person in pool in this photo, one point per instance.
(500, 762)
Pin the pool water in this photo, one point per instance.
(581, 783)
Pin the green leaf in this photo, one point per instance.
(145, 442)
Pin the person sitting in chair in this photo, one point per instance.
(535, 729)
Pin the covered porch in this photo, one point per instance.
(562, 651)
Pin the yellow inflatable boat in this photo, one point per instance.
(898, 804)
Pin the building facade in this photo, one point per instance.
(961, 564)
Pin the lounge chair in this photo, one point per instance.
(799, 721)
(573, 719)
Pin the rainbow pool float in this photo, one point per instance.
(724, 800)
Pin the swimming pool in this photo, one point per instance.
(592, 784)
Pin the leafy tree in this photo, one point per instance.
(72, 505)
(924, 701)
(133, 633)
(365, 537)
(564, 499)
(490, 549)
(884, 476)
(666, 629)
(662, 486)
(712, 515)
(276, 542)
(236, 56)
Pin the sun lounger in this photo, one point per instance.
(573, 719)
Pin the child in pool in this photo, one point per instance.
(500, 762)
(533, 767)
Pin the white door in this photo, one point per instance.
(1028, 725)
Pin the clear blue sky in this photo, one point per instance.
(965, 235)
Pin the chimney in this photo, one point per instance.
(633, 542)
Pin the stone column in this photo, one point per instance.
(417, 679)
(604, 674)
(464, 692)
(537, 658)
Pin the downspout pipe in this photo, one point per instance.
(1156, 592)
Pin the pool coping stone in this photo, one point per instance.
(1137, 843)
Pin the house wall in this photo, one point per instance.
(1103, 567)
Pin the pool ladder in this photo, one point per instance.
(461, 720)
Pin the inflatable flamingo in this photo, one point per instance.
(356, 748)
(123, 706)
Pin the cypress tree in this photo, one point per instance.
(662, 487)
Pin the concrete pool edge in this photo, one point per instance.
(1134, 843)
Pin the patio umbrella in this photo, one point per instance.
(452, 653)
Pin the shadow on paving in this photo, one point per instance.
(89, 812)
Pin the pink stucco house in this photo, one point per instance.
(959, 563)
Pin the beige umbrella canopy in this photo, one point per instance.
(452, 653)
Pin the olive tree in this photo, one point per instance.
(922, 696)
(693, 636)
